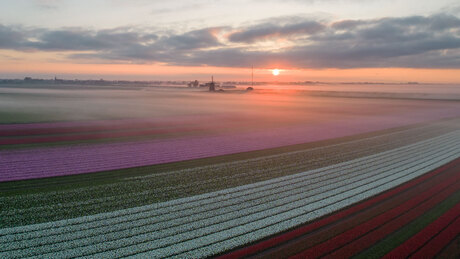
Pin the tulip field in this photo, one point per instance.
(380, 183)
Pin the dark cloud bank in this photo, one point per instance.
(416, 41)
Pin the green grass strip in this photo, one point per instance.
(395, 239)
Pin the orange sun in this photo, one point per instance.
(275, 72)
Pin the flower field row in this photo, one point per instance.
(28, 129)
(146, 185)
(366, 234)
(438, 228)
(92, 136)
(314, 177)
(75, 132)
(36, 135)
(210, 223)
(78, 159)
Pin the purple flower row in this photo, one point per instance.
(57, 161)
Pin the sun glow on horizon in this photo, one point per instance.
(275, 72)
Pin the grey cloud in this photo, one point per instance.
(10, 37)
(390, 42)
(269, 30)
(439, 22)
(229, 57)
(434, 22)
(416, 41)
(162, 49)
(68, 40)
(75, 40)
(398, 54)
(203, 38)
(443, 22)
(347, 24)
(115, 40)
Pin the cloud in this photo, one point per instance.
(203, 38)
(74, 40)
(385, 42)
(414, 41)
(150, 48)
(10, 37)
(47, 4)
(270, 30)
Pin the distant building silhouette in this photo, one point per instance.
(57, 80)
(193, 84)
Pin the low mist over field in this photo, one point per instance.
(268, 103)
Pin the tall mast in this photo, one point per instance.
(252, 76)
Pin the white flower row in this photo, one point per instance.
(219, 244)
(204, 235)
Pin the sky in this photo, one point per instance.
(308, 40)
